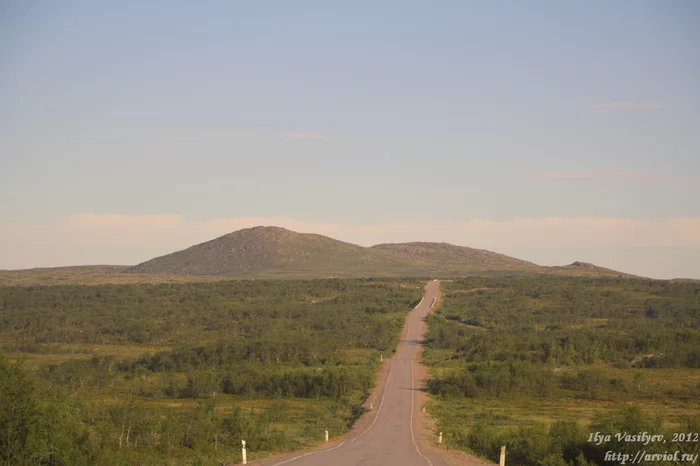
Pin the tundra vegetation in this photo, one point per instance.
(539, 363)
(181, 373)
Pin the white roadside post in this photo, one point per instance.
(245, 461)
(381, 357)
(503, 456)
(440, 439)
(371, 407)
(326, 436)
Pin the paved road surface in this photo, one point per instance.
(390, 439)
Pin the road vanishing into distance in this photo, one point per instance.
(392, 437)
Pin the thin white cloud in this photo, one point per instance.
(211, 135)
(628, 105)
(122, 239)
(301, 135)
(231, 135)
(613, 176)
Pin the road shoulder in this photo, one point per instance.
(425, 425)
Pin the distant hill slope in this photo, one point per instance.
(586, 268)
(449, 255)
(270, 252)
(274, 250)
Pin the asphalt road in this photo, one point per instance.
(390, 438)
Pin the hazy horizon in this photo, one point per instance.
(182, 236)
(551, 132)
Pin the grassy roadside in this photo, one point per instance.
(179, 374)
(536, 364)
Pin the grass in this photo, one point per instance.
(516, 411)
(46, 354)
(559, 314)
(83, 343)
(92, 275)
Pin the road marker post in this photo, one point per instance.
(440, 439)
(371, 407)
(381, 358)
(245, 461)
(503, 456)
(326, 436)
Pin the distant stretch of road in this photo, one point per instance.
(392, 438)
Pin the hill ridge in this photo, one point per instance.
(272, 251)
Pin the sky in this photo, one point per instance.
(552, 131)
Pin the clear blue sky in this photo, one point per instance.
(357, 114)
